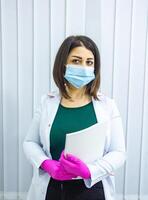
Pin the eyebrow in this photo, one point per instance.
(81, 57)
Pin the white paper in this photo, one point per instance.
(87, 144)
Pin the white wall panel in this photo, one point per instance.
(1, 114)
(25, 85)
(75, 17)
(31, 32)
(93, 21)
(10, 95)
(143, 180)
(120, 68)
(135, 96)
(57, 31)
(41, 47)
(108, 10)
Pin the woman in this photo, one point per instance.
(77, 105)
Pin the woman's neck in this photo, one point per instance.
(76, 93)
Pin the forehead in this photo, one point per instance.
(82, 52)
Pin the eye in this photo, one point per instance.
(90, 62)
(75, 61)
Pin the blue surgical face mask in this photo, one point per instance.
(79, 75)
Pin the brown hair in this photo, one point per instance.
(61, 57)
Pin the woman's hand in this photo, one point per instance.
(74, 165)
(56, 170)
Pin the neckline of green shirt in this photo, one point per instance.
(76, 107)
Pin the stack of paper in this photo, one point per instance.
(87, 144)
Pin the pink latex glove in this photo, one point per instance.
(56, 170)
(74, 165)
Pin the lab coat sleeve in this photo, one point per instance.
(114, 157)
(31, 145)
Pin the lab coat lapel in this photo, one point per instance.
(100, 112)
(52, 107)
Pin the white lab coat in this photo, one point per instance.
(36, 145)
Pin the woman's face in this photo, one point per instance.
(81, 56)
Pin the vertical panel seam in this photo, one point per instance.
(2, 112)
(17, 98)
(129, 72)
(84, 17)
(65, 18)
(114, 35)
(32, 61)
(49, 67)
(32, 57)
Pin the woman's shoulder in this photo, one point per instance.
(48, 98)
(109, 104)
(49, 95)
(104, 98)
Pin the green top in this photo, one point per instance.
(69, 120)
